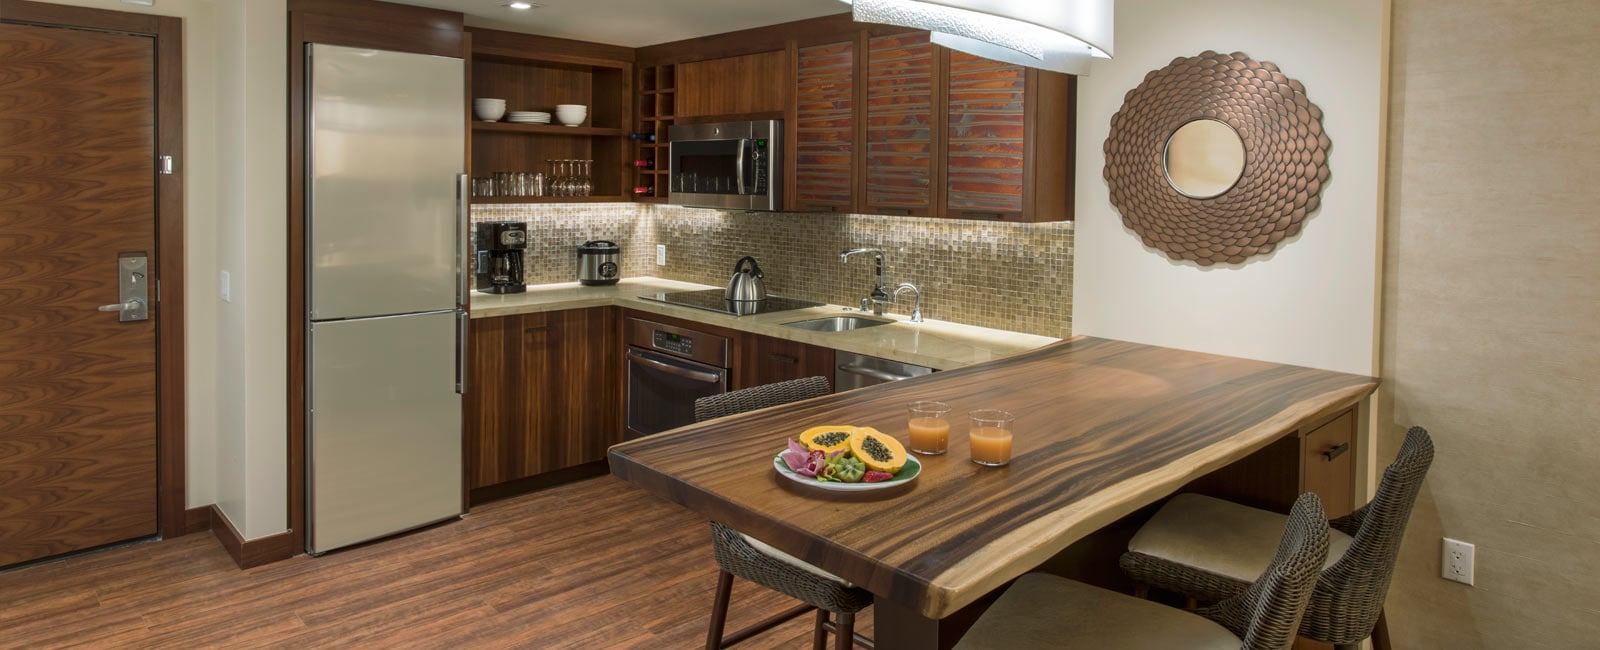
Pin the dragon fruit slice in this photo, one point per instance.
(797, 457)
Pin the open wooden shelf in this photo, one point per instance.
(549, 129)
(491, 200)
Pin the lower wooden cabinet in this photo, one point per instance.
(764, 360)
(544, 393)
(1318, 458)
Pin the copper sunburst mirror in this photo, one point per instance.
(1216, 158)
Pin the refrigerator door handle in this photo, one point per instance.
(461, 352)
(463, 242)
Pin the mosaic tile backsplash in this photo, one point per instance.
(1008, 276)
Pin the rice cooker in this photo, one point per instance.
(599, 262)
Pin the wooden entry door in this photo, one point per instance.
(77, 387)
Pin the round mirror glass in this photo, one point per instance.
(1204, 158)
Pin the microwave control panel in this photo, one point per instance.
(758, 156)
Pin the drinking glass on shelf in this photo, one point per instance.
(536, 186)
(586, 182)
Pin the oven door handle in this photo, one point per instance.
(686, 373)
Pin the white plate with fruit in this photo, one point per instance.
(846, 459)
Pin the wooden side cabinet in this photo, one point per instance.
(544, 393)
(764, 360)
(824, 128)
(1318, 458)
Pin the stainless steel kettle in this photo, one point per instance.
(746, 285)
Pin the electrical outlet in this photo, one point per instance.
(661, 254)
(223, 288)
(1456, 560)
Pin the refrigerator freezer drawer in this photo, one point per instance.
(384, 437)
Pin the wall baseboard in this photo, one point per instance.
(249, 553)
(197, 520)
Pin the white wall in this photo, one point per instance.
(1310, 302)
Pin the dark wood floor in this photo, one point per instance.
(593, 564)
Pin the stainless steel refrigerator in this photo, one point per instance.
(385, 231)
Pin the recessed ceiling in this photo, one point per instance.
(634, 23)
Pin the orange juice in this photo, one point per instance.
(990, 445)
(929, 435)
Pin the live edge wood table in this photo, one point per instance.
(1103, 428)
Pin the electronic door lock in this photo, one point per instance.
(133, 286)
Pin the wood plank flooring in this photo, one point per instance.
(592, 564)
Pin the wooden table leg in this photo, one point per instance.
(895, 626)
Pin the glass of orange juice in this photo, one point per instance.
(930, 427)
(990, 437)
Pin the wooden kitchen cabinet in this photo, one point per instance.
(1008, 145)
(544, 393)
(902, 94)
(824, 131)
(738, 87)
(765, 359)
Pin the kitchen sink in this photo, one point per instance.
(838, 323)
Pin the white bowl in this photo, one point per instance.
(489, 110)
(571, 116)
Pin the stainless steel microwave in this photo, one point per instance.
(729, 165)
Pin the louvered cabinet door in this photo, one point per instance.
(825, 125)
(902, 92)
(985, 139)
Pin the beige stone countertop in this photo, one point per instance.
(933, 343)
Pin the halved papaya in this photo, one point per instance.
(827, 439)
(877, 450)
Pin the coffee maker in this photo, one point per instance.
(499, 246)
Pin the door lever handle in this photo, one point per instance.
(133, 304)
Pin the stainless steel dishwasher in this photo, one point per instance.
(668, 369)
(851, 370)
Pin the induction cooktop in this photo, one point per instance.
(713, 300)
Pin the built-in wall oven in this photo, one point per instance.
(668, 369)
(730, 165)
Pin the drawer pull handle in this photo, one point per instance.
(1336, 452)
(783, 358)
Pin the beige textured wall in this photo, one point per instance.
(1492, 316)
(1007, 276)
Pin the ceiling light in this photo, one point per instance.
(520, 5)
(1062, 36)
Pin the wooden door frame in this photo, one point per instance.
(171, 466)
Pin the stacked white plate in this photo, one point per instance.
(528, 117)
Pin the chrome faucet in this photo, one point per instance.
(916, 308)
(880, 295)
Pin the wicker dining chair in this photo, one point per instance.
(1045, 611)
(740, 555)
(1203, 547)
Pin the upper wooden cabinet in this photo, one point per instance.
(824, 131)
(535, 73)
(902, 93)
(734, 86)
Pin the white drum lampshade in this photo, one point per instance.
(1059, 35)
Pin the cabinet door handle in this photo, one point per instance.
(819, 208)
(969, 214)
(1336, 452)
(890, 211)
(783, 358)
(536, 330)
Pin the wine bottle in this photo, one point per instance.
(644, 190)
(647, 137)
(645, 163)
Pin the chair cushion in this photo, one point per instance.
(786, 558)
(1046, 611)
(1220, 537)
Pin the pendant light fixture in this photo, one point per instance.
(1059, 35)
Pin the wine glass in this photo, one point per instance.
(586, 186)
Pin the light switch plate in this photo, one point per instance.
(223, 289)
(661, 254)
